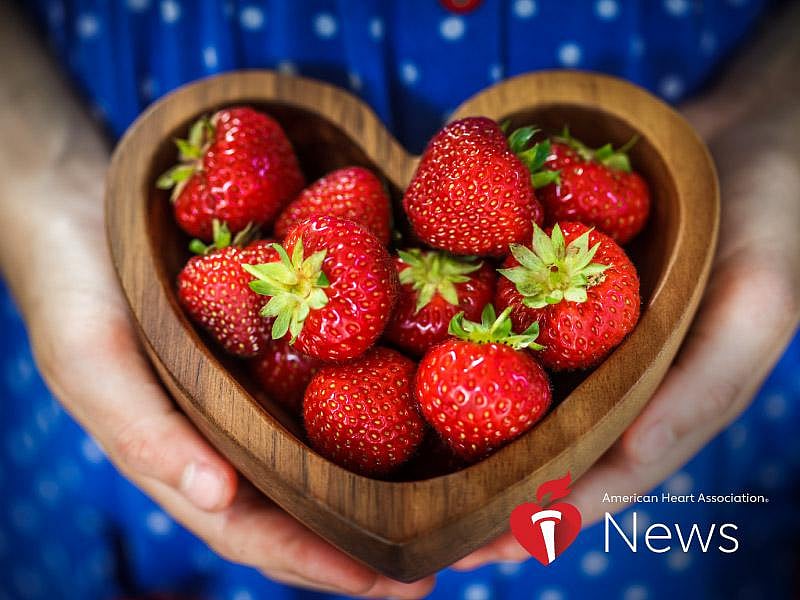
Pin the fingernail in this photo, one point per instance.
(202, 486)
(655, 442)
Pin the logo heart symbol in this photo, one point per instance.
(545, 532)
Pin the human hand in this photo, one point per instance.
(88, 353)
(748, 315)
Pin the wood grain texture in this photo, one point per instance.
(413, 527)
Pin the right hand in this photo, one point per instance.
(87, 350)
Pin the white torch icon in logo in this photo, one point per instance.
(547, 520)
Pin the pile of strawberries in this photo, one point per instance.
(377, 348)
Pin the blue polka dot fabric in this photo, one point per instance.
(72, 527)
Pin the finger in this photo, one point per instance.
(113, 392)
(739, 334)
(504, 548)
(255, 532)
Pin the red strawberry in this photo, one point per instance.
(434, 287)
(472, 192)
(595, 187)
(336, 292)
(284, 373)
(361, 415)
(214, 290)
(237, 167)
(480, 391)
(351, 193)
(584, 309)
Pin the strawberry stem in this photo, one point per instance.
(494, 330)
(552, 271)
(190, 155)
(533, 157)
(295, 285)
(616, 160)
(434, 272)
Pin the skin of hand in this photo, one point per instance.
(751, 307)
(57, 264)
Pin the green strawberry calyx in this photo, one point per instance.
(494, 330)
(616, 160)
(190, 156)
(553, 271)
(222, 238)
(533, 157)
(296, 286)
(432, 272)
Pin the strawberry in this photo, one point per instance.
(284, 373)
(595, 187)
(361, 415)
(584, 309)
(335, 295)
(215, 292)
(237, 167)
(351, 193)
(479, 390)
(472, 192)
(434, 287)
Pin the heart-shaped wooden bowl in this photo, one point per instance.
(412, 527)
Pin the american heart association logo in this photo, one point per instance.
(546, 532)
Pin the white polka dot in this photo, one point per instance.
(671, 87)
(19, 372)
(551, 594)
(509, 568)
(210, 58)
(636, 46)
(55, 13)
(635, 592)
(87, 26)
(680, 483)
(91, 451)
(24, 516)
(569, 54)
(477, 591)
(708, 42)
(21, 446)
(524, 9)
(170, 11)
(148, 88)
(496, 72)
(606, 9)
(158, 523)
(325, 25)
(676, 8)
(138, 5)
(242, 595)
(48, 490)
(452, 28)
(88, 520)
(55, 557)
(287, 67)
(775, 406)
(770, 475)
(251, 17)
(643, 520)
(409, 73)
(100, 565)
(376, 28)
(737, 436)
(678, 560)
(47, 416)
(203, 558)
(594, 563)
(355, 81)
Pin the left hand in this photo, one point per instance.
(748, 315)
